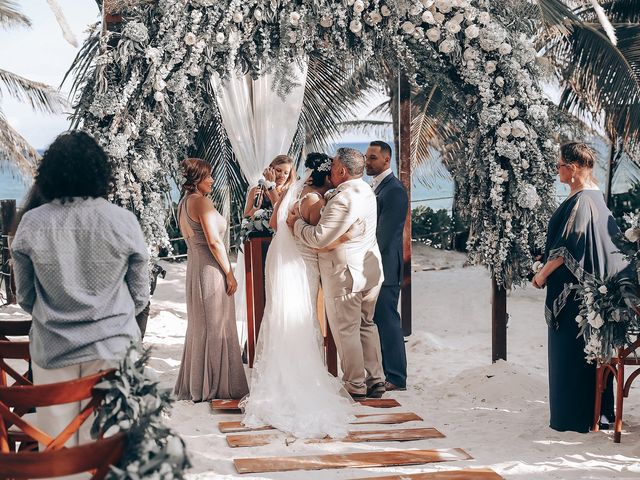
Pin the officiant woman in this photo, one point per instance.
(211, 364)
(579, 242)
(278, 177)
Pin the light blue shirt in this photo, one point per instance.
(81, 270)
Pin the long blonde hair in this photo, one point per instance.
(285, 160)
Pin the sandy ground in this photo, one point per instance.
(497, 412)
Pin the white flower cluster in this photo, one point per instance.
(506, 177)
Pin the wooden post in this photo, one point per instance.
(404, 155)
(8, 217)
(498, 322)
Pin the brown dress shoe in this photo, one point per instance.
(376, 390)
(389, 387)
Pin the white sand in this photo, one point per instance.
(498, 413)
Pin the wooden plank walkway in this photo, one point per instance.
(397, 435)
(361, 419)
(466, 474)
(367, 402)
(348, 460)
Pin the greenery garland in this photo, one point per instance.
(151, 90)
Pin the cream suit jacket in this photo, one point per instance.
(355, 266)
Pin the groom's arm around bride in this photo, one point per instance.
(351, 273)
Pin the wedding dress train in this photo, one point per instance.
(291, 389)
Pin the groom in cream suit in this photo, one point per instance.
(351, 273)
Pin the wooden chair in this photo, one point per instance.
(14, 351)
(627, 356)
(95, 457)
(14, 328)
(16, 401)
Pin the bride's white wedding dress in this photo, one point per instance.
(291, 389)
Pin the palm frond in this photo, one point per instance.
(557, 15)
(618, 11)
(600, 77)
(82, 65)
(332, 95)
(10, 16)
(15, 151)
(40, 96)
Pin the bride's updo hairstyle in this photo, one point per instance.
(194, 170)
(320, 166)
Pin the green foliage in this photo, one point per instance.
(624, 203)
(437, 228)
(134, 403)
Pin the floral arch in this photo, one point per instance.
(150, 89)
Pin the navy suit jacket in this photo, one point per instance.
(392, 210)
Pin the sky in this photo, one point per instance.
(42, 54)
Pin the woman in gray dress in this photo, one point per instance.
(211, 362)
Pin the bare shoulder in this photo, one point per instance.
(201, 205)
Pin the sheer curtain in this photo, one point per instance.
(260, 125)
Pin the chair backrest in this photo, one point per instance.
(95, 457)
(15, 401)
(14, 351)
(14, 328)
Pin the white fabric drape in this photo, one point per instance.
(260, 125)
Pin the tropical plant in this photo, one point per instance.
(594, 49)
(15, 151)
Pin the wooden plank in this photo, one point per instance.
(379, 402)
(355, 436)
(362, 419)
(466, 474)
(348, 460)
(231, 404)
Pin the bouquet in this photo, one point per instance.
(255, 226)
(607, 315)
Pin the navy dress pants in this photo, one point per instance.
(387, 318)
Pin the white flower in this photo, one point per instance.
(294, 18)
(408, 27)
(433, 34)
(427, 3)
(326, 21)
(447, 46)
(519, 129)
(537, 266)
(158, 96)
(528, 197)
(484, 18)
(513, 113)
(504, 130)
(589, 300)
(415, 9)
(490, 66)
(159, 84)
(505, 49)
(418, 33)
(427, 17)
(384, 10)
(596, 322)
(220, 37)
(499, 82)
(293, 37)
(190, 39)
(603, 289)
(470, 53)
(358, 6)
(439, 17)
(257, 14)
(632, 234)
(443, 5)
(452, 27)
(355, 26)
(591, 316)
(472, 31)
(238, 17)
(579, 318)
(375, 18)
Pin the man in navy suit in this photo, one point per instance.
(392, 209)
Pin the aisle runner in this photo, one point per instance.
(349, 460)
(362, 419)
(471, 473)
(398, 435)
(367, 402)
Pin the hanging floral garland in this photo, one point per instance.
(152, 89)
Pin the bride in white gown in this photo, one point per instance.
(291, 389)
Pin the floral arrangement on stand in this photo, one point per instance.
(607, 316)
(256, 225)
(151, 89)
(135, 404)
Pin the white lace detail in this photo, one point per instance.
(291, 389)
